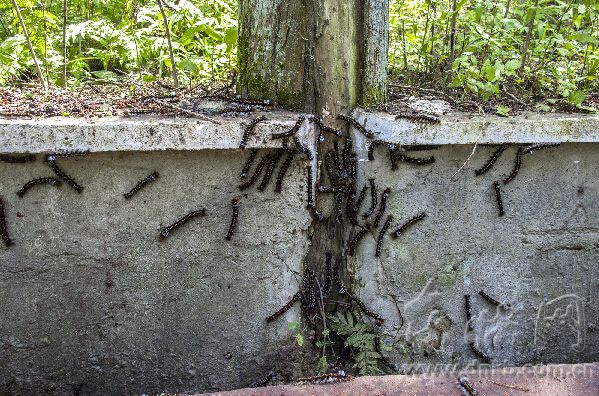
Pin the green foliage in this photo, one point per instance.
(296, 327)
(360, 338)
(109, 38)
(534, 47)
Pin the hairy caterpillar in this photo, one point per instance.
(328, 274)
(71, 153)
(283, 171)
(166, 231)
(270, 169)
(494, 157)
(339, 164)
(395, 234)
(484, 357)
(248, 163)
(378, 142)
(262, 381)
(302, 149)
(516, 166)
(534, 147)
(233, 225)
(498, 198)
(493, 301)
(373, 199)
(42, 180)
(325, 128)
(465, 383)
(20, 159)
(324, 379)
(349, 205)
(420, 117)
(65, 177)
(379, 241)
(351, 247)
(382, 207)
(360, 199)
(248, 131)
(141, 184)
(346, 156)
(379, 320)
(257, 173)
(3, 230)
(338, 207)
(420, 147)
(285, 307)
(468, 312)
(415, 161)
(292, 131)
(356, 125)
(393, 159)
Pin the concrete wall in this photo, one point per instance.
(90, 299)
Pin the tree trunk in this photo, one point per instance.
(322, 57)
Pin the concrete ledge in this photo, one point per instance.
(148, 133)
(461, 128)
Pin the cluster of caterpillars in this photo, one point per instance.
(520, 152)
(470, 323)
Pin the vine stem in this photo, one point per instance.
(37, 65)
(170, 44)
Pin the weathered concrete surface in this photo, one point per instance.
(90, 298)
(462, 128)
(146, 133)
(554, 380)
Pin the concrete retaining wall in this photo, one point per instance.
(92, 301)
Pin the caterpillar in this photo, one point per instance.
(393, 158)
(338, 207)
(65, 177)
(360, 199)
(420, 147)
(492, 300)
(68, 153)
(483, 356)
(420, 117)
(270, 169)
(328, 274)
(378, 142)
(323, 379)
(494, 157)
(310, 182)
(379, 320)
(468, 312)
(283, 171)
(248, 163)
(534, 147)
(346, 155)
(249, 129)
(349, 205)
(42, 180)
(351, 247)
(498, 198)
(166, 231)
(3, 230)
(357, 125)
(383, 359)
(325, 128)
(302, 149)
(516, 166)
(379, 241)
(20, 159)
(373, 199)
(292, 131)
(465, 383)
(257, 173)
(416, 161)
(285, 307)
(262, 381)
(233, 225)
(395, 234)
(382, 207)
(141, 184)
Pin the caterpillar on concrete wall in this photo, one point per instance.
(498, 198)
(283, 171)
(483, 356)
(248, 131)
(42, 180)
(373, 199)
(285, 307)
(166, 231)
(517, 164)
(256, 173)
(248, 163)
(292, 131)
(468, 312)
(494, 157)
(382, 207)
(233, 224)
(379, 242)
(270, 168)
(395, 234)
(141, 184)
(3, 229)
(66, 178)
(356, 125)
(17, 159)
(351, 247)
